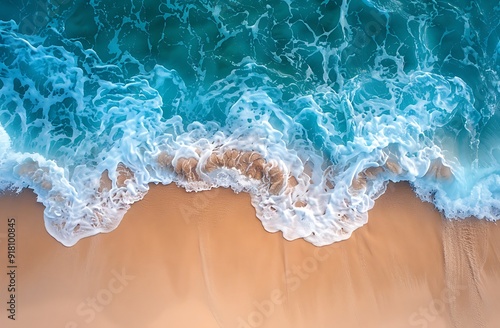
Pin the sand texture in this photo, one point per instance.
(203, 260)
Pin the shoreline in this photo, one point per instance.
(204, 260)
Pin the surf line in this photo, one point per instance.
(11, 268)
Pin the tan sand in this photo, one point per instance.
(203, 260)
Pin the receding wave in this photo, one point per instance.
(312, 109)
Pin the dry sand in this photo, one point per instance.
(203, 260)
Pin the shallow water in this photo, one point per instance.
(311, 107)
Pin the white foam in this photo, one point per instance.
(80, 122)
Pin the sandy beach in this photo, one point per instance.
(204, 260)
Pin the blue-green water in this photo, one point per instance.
(334, 98)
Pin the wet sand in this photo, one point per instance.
(203, 260)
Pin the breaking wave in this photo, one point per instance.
(312, 108)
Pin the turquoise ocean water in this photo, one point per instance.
(310, 106)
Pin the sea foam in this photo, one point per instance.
(312, 133)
